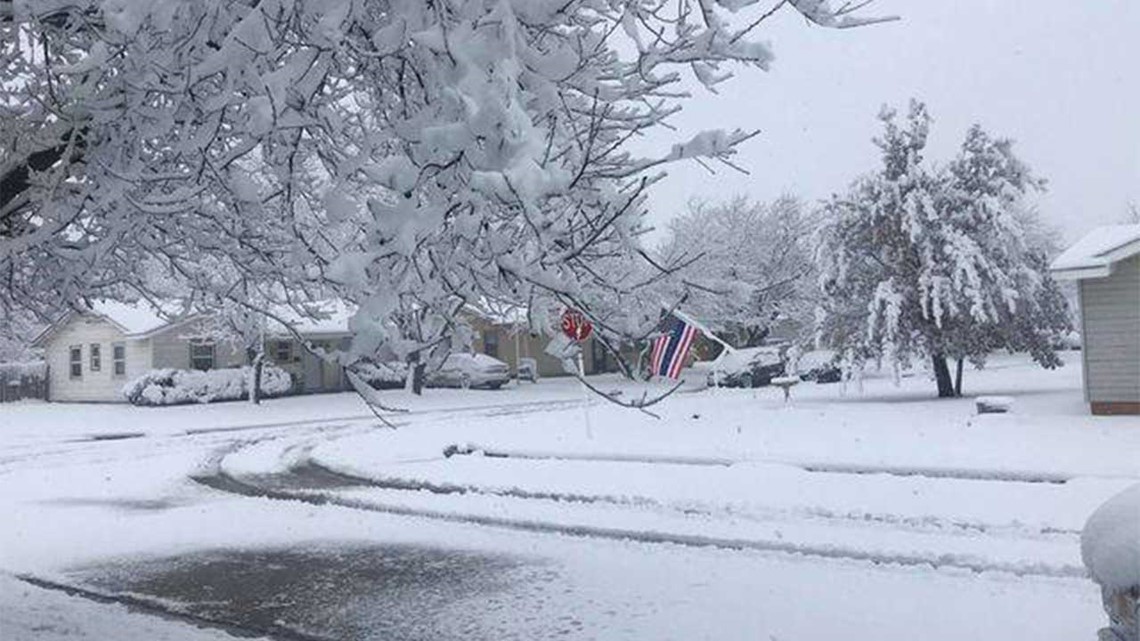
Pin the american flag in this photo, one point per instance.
(670, 349)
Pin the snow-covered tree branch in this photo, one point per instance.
(754, 266)
(410, 157)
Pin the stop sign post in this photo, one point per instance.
(577, 328)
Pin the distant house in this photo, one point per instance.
(1106, 266)
(506, 336)
(91, 355)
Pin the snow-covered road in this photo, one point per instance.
(880, 515)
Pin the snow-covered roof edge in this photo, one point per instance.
(337, 316)
(142, 320)
(135, 320)
(1095, 255)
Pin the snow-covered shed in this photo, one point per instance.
(1106, 266)
(91, 354)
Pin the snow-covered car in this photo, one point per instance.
(747, 367)
(470, 370)
(819, 365)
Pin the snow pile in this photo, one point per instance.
(994, 404)
(176, 386)
(1110, 542)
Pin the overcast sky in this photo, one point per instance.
(1058, 76)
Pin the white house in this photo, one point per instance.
(1106, 266)
(91, 355)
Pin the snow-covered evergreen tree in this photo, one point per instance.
(752, 266)
(918, 261)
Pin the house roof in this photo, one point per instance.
(336, 316)
(498, 313)
(135, 320)
(142, 319)
(1095, 255)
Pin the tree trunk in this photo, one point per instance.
(416, 369)
(958, 379)
(255, 389)
(942, 376)
(418, 378)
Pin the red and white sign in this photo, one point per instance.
(575, 325)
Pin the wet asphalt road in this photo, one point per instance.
(389, 593)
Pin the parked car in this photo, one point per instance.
(528, 369)
(821, 366)
(470, 370)
(748, 367)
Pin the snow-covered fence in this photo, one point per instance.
(176, 386)
(23, 380)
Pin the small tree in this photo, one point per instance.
(933, 262)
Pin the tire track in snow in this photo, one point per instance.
(964, 474)
(917, 524)
(310, 484)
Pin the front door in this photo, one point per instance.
(313, 375)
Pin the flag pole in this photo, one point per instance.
(695, 323)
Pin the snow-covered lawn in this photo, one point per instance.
(880, 513)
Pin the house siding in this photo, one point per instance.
(596, 359)
(1110, 315)
(170, 348)
(91, 386)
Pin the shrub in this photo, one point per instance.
(23, 369)
(385, 375)
(178, 386)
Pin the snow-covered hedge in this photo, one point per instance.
(24, 369)
(177, 386)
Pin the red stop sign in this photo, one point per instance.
(575, 325)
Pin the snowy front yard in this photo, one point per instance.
(879, 513)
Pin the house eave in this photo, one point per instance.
(1082, 273)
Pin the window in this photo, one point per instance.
(76, 361)
(283, 352)
(94, 352)
(119, 356)
(491, 343)
(201, 355)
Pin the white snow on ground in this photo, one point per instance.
(884, 515)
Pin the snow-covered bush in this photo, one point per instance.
(178, 386)
(28, 369)
(1110, 549)
(387, 375)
